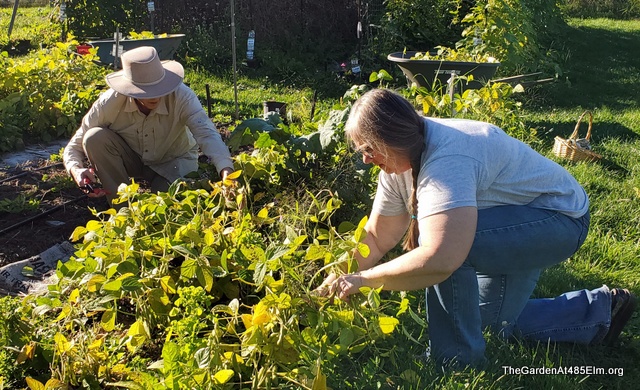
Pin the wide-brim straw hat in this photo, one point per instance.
(144, 76)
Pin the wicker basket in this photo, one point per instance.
(574, 148)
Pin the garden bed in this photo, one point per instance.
(42, 190)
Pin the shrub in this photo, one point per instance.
(44, 95)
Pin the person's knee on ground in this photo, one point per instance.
(113, 160)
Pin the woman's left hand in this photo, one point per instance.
(346, 285)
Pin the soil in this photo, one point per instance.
(59, 207)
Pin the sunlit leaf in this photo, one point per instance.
(205, 277)
(62, 344)
(108, 320)
(75, 294)
(359, 234)
(223, 376)
(168, 284)
(27, 352)
(113, 286)
(95, 283)
(34, 384)
(388, 324)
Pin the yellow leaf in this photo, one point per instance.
(95, 344)
(388, 324)
(223, 376)
(319, 382)
(363, 249)
(73, 297)
(27, 352)
(209, 238)
(233, 357)
(93, 225)
(234, 175)
(95, 283)
(230, 179)
(168, 285)
(62, 345)
(54, 384)
(34, 384)
(78, 232)
(138, 328)
(264, 213)
(64, 313)
(247, 320)
(261, 314)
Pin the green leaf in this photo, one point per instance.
(315, 252)
(346, 337)
(113, 286)
(373, 298)
(254, 253)
(170, 355)
(205, 277)
(188, 268)
(108, 320)
(159, 301)
(360, 233)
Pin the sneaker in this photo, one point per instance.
(623, 303)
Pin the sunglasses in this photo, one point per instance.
(366, 151)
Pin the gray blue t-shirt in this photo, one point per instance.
(471, 163)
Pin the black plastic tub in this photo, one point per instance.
(434, 74)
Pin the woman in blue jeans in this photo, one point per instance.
(482, 214)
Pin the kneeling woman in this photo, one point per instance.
(483, 214)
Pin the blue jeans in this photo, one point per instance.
(492, 288)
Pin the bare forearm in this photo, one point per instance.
(379, 240)
(412, 271)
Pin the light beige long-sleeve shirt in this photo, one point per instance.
(166, 140)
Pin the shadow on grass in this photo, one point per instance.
(601, 69)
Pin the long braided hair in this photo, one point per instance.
(389, 124)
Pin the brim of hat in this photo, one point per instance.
(174, 73)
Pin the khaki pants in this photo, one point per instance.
(116, 163)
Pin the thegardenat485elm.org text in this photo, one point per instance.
(571, 370)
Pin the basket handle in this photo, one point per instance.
(574, 135)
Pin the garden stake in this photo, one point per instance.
(206, 86)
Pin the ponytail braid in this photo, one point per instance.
(387, 122)
(411, 238)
